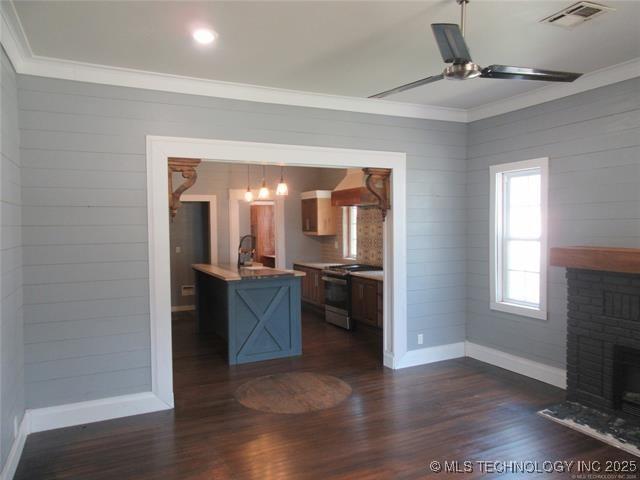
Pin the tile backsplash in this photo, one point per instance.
(370, 232)
(370, 235)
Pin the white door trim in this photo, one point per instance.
(237, 195)
(395, 253)
(212, 200)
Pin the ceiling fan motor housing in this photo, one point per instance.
(462, 71)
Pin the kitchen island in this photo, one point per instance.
(256, 310)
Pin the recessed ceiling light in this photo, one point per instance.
(204, 36)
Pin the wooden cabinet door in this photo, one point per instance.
(364, 300)
(317, 286)
(326, 217)
(310, 215)
(357, 299)
(370, 293)
(310, 282)
(305, 293)
(320, 288)
(313, 285)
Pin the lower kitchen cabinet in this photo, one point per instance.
(312, 285)
(366, 301)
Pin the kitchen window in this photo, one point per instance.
(519, 237)
(350, 232)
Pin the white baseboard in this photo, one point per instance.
(431, 354)
(11, 465)
(183, 308)
(49, 418)
(529, 368)
(388, 360)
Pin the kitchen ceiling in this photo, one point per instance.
(344, 48)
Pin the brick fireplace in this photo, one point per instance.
(603, 338)
(603, 328)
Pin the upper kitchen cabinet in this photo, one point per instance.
(318, 216)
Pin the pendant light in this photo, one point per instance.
(248, 195)
(282, 189)
(263, 194)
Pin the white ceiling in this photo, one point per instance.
(345, 48)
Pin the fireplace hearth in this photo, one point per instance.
(603, 340)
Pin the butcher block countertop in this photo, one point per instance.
(233, 273)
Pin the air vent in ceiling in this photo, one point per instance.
(576, 14)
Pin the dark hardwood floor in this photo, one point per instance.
(393, 425)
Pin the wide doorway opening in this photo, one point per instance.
(391, 294)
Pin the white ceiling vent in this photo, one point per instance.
(576, 14)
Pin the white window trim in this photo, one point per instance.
(495, 241)
(346, 234)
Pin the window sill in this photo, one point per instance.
(519, 310)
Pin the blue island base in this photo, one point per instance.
(259, 318)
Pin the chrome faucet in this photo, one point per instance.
(246, 253)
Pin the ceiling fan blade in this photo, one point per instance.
(451, 43)
(523, 73)
(408, 86)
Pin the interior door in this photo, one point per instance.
(263, 229)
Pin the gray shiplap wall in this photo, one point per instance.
(84, 215)
(593, 143)
(188, 230)
(12, 402)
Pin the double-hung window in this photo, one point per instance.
(519, 237)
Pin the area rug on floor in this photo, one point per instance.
(615, 431)
(295, 392)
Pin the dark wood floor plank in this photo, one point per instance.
(392, 425)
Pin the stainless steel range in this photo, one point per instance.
(337, 292)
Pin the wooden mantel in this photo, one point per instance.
(607, 259)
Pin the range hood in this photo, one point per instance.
(363, 187)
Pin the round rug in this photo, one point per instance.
(295, 392)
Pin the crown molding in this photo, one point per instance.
(589, 81)
(84, 72)
(12, 36)
(25, 62)
(16, 45)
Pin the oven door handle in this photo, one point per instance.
(337, 281)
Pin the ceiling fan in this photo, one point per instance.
(453, 48)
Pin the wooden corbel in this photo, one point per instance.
(187, 167)
(377, 182)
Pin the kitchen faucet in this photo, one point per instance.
(246, 253)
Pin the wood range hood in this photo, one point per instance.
(363, 187)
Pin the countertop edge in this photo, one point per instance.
(316, 265)
(228, 275)
(368, 275)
